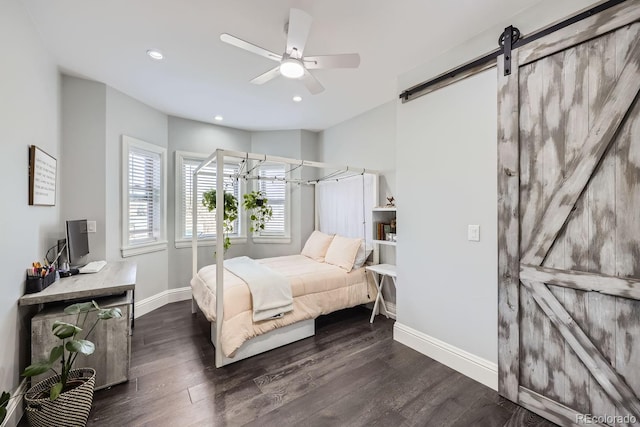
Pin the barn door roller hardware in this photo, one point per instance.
(507, 41)
(485, 61)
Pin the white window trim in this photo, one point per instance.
(285, 238)
(181, 242)
(161, 244)
(271, 239)
(210, 241)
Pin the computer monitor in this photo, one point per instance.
(77, 242)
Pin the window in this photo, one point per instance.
(186, 163)
(143, 197)
(276, 190)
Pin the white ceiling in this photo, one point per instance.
(201, 76)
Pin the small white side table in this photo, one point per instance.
(382, 270)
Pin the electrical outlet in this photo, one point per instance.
(473, 233)
(91, 226)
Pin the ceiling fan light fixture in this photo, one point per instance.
(291, 68)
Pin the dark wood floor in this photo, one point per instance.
(350, 373)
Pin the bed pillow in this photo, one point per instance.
(362, 255)
(342, 252)
(317, 245)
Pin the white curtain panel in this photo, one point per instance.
(345, 206)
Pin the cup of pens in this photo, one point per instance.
(39, 277)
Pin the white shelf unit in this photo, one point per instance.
(384, 242)
(381, 271)
(382, 215)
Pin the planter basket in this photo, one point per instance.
(71, 408)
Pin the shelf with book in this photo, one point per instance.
(384, 269)
(384, 223)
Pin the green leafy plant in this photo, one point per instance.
(72, 344)
(4, 401)
(230, 212)
(260, 212)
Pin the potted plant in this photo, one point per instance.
(4, 401)
(260, 212)
(230, 212)
(66, 397)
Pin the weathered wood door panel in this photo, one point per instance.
(569, 223)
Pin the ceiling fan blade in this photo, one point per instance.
(312, 84)
(234, 41)
(344, 60)
(265, 77)
(298, 31)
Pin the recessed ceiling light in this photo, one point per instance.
(218, 118)
(155, 54)
(297, 98)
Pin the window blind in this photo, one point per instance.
(206, 182)
(276, 193)
(144, 196)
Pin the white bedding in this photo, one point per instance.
(317, 288)
(270, 290)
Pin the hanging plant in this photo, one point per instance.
(260, 212)
(230, 212)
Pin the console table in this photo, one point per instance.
(113, 286)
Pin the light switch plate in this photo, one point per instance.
(91, 226)
(473, 233)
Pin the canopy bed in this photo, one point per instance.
(257, 305)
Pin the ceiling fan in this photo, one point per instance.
(292, 63)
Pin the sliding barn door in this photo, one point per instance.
(569, 222)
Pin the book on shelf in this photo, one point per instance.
(382, 229)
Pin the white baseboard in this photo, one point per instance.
(156, 301)
(477, 368)
(15, 408)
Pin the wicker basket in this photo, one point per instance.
(70, 409)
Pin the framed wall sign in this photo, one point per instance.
(42, 177)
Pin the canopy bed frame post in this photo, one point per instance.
(219, 254)
(194, 234)
(316, 217)
(376, 203)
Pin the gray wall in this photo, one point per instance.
(367, 141)
(127, 116)
(83, 166)
(94, 118)
(309, 151)
(203, 138)
(447, 180)
(446, 163)
(30, 114)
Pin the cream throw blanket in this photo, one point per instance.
(270, 291)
